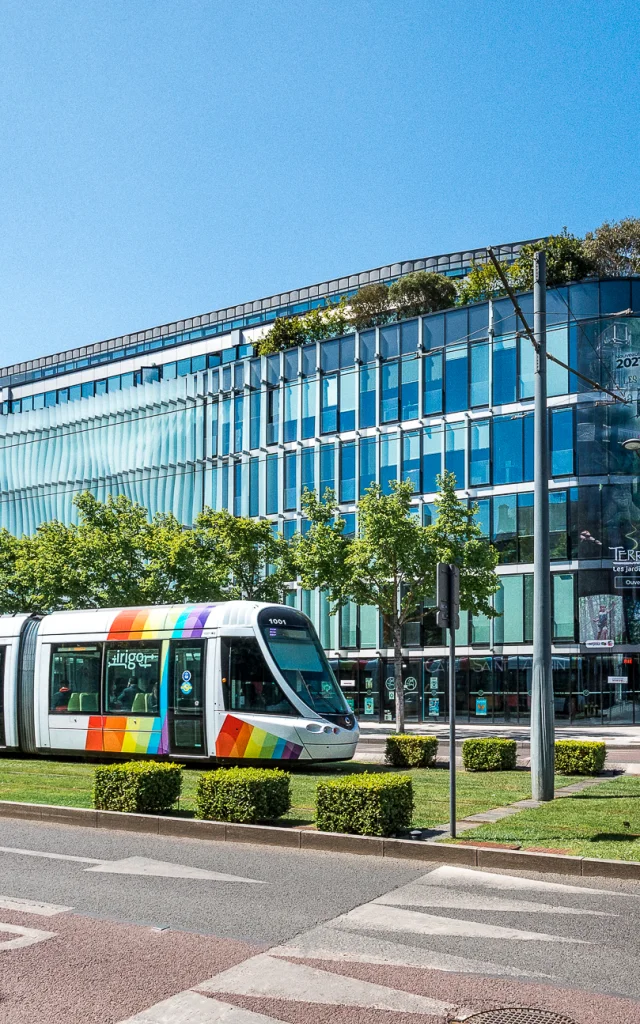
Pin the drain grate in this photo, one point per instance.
(517, 1015)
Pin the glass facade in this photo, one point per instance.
(450, 390)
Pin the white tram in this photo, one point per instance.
(229, 681)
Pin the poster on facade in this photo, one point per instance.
(481, 705)
(434, 705)
(601, 619)
(368, 706)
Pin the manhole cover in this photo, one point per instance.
(517, 1015)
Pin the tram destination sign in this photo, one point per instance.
(626, 567)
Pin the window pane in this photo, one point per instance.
(561, 442)
(308, 473)
(348, 400)
(409, 336)
(273, 415)
(348, 472)
(368, 626)
(368, 396)
(308, 408)
(75, 680)
(388, 461)
(291, 411)
(225, 427)
(483, 516)
(528, 427)
(504, 371)
(348, 350)
(455, 391)
(254, 487)
(558, 534)
(504, 527)
(348, 625)
(433, 332)
(327, 468)
(527, 366)
(238, 488)
(132, 678)
(525, 527)
(433, 384)
(329, 404)
(368, 346)
(254, 410)
(480, 629)
(509, 603)
(308, 360)
(507, 450)
(290, 480)
(389, 396)
(479, 375)
(272, 484)
(330, 356)
(431, 457)
(389, 342)
(454, 459)
(247, 681)
(563, 614)
(367, 463)
(238, 423)
(409, 393)
(557, 376)
(411, 459)
(291, 364)
(479, 461)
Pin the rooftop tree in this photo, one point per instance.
(391, 563)
(614, 247)
(421, 292)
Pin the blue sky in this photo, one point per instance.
(161, 158)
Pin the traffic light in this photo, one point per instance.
(448, 596)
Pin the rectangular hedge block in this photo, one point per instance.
(489, 755)
(365, 805)
(579, 757)
(407, 751)
(247, 796)
(142, 787)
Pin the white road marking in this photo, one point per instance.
(192, 1008)
(429, 896)
(136, 866)
(165, 869)
(327, 943)
(26, 936)
(375, 917)
(473, 878)
(270, 977)
(31, 907)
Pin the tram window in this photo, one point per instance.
(132, 678)
(302, 661)
(74, 684)
(247, 681)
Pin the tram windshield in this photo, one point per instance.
(301, 659)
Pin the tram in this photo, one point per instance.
(237, 680)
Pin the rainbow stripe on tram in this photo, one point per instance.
(154, 623)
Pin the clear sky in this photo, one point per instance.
(161, 158)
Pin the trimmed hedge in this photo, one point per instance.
(489, 755)
(579, 757)
(244, 795)
(365, 805)
(145, 787)
(407, 751)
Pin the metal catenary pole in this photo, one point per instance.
(452, 727)
(542, 707)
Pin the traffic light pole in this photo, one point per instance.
(448, 616)
(452, 730)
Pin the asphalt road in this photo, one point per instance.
(103, 927)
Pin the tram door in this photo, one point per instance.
(3, 733)
(186, 697)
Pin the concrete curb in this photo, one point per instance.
(331, 842)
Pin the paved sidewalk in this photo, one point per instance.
(612, 735)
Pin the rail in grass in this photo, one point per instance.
(236, 680)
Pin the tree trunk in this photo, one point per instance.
(397, 674)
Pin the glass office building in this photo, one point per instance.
(185, 415)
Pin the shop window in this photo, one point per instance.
(74, 685)
(456, 383)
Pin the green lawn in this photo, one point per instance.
(69, 783)
(588, 824)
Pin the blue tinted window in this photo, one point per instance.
(272, 484)
(388, 461)
(483, 516)
(27, 401)
(291, 364)
(583, 299)
(291, 392)
(433, 331)
(433, 384)
(74, 395)
(327, 468)
(505, 533)
(254, 413)
(184, 367)
(309, 360)
(349, 524)
(308, 408)
(290, 481)
(411, 459)
(348, 351)
(409, 389)
(348, 472)
(16, 405)
(479, 320)
(504, 317)
(273, 415)
(126, 380)
(330, 404)
(479, 457)
(87, 391)
(330, 356)
(225, 485)
(113, 383)
(368, 396)
(238, 424)
(347, 415)
(389, 393)
(528, 445)
(504, 371)
(255, 373)
(213, 430)
(225, 427)
(507, 450)
(50, 399)
(368, 346)
(454, 456)
(226, 378)
(431, 458)
(409, 337)
(367, 463)
(557, 376)
(101, 387)
(198, 363)
(237, 489)
(169, 371)
(213, 359)
(527, 367)
(308, 472)
(479, 374)
(389, 342)
(455, 391)
(238, 376)
(562, 442)
(457, 326)
(254, 487)
(273, 369)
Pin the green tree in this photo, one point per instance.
(567, 260)
(329, 321)
(482, 283)
(391, 564)
(370, 306)
(252, 562)
(421, 292)
(614, 248)
(287, 331)
(14, 588)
